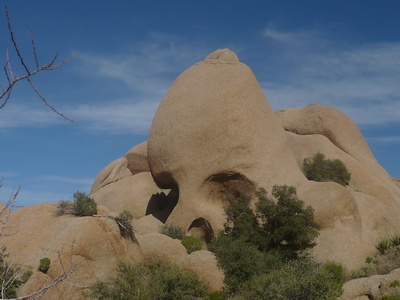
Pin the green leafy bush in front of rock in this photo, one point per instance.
(82, 206)
(318, 168)
(172, 231)
(161, 280)
(44, 265)
(300, 279)
(192, 243)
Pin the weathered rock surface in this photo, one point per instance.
(92, 246)
(132, 193)
(397, 180)
(371, 288)
(137, 159)
(215, 133)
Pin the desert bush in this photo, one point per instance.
(241, 260)
(381, 263)
(289, 226)
(159, 281)
(300, 279)
(395, 283)
(84, 205)
(192, 243)
(9, 282)
(44, 265)
(125, 216)
(317, 168)
(390, 297)
(174, 232)
(65, 208)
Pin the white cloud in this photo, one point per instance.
(16, 115)
(385, 139)
(62, 179)
(361, 80)
(119, 117)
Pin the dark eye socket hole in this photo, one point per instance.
(161, 205)
(202, 229)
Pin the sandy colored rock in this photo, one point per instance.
(157, 246)
(92, 245)
(397, 181)
(115, 171)
(147, 224)
(137, 159)
(131, 193)
(372, 288)
(205, 264)
(214, 133)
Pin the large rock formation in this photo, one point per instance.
(215, 133)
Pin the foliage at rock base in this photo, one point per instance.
(158, 281)
(318, 168)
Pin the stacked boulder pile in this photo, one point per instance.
(215, 134)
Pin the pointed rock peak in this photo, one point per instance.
(222, 56)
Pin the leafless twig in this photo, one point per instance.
(13, 78)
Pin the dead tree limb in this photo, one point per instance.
(11, 74)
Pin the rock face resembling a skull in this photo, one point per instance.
(214, 133)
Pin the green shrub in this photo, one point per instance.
(84, 205)
(317, 168)
(219, 295)
(390, 297)
(241, 260)
(65, 208)
(44, 265)
(395, 283)
(125, 216)
(174, 232)
(288, 225)
(158, 281)
(383, 245)
(8, 276)
(300, 279)
(281, 224)
(192, 243)
(381, 263)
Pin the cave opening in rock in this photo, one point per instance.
(201, 228)
(161, 205)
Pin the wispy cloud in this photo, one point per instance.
(118, 117)
(385, 139)
(81, 181)
(17, 115)
(361, 80)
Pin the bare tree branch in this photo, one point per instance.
(12, 77)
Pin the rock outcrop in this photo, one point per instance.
(371, 288)
(215, 133)
(91, 247)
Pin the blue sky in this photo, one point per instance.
(344, 54)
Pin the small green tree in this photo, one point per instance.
(192, 243)
(289, 226)
(84, 205)
(172, 231)
(125, 216)
(44, 265)
(9, 281)
(161, 280)
(300, 279)
(317, 168)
